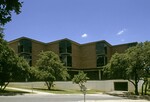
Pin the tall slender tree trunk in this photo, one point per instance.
(136, 82)
(145, 92)
(143, 87)
(136, 89)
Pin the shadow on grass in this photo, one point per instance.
(12, 93)
(58, 91)
(48, 90)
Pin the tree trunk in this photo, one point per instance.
(146, 88)
(143, 87)
(135, 86)
(49, 84)
(4, 86)
(136, 89)
(136, 82)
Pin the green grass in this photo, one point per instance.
(59, 91)
(54, 90)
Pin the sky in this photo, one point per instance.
(83, 21)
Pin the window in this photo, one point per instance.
(121, 86)
(101, 48)
(25, 50)
(67, 60)
(25, 45)
(65, 47)
(101, 60)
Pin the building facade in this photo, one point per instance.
(89, 57)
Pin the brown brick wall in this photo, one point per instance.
(36, 49)
(88, 56)
(53, 47)
(76, 55)
(119, 49)
(108, 53)
(83, 56)
(14, 46)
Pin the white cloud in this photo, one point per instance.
(121, 31)
(84, 35)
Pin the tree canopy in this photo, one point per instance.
(49, 68)
(12, 67)
(80, 79)
(6, 8)
(133, 65)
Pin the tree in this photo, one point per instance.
(80, 79)
(12, 66)
(1, 32)
(49, 68)
(146, 61)
(132, 65)
(6, 8)
(116, 68)
(135, 66)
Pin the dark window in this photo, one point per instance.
(25, 45)
(105, 48)
(101, 60)
(65, 46)
(101, 48)
(63, 59)
(121, 86)
(67, 60)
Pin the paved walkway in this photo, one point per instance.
(116, 101)
(31, 91)
(46, 93)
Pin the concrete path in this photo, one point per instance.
(92, 95)
(116, 101)
(31, 91)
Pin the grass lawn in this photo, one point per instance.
(59, 91)
(54, 90)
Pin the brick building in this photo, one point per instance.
(89, 57)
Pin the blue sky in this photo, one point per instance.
(116, 21)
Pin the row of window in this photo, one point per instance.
(67, 60)
(65, 50)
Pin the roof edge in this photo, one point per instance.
(25, 38)
(125, 44)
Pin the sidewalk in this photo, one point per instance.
(126, 100)
(31, 91)
(46, 93)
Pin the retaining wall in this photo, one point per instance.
(102, 85)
